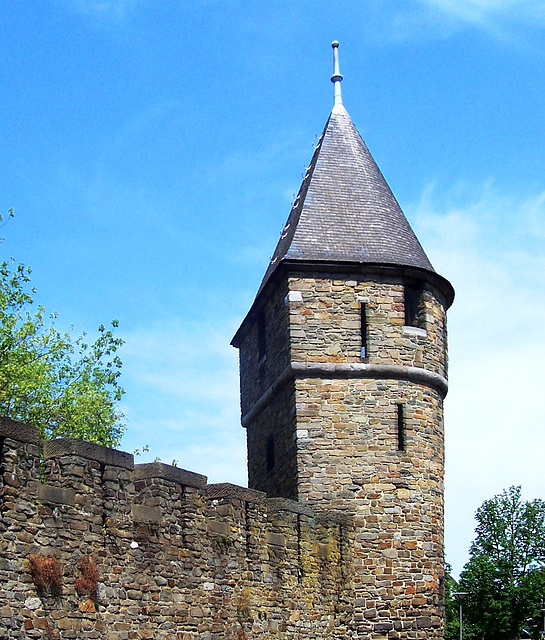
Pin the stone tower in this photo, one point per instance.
(343, 364)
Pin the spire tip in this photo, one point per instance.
(336, 78)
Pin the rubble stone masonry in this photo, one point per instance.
(359, 434)
(177, 559)
(340, 535)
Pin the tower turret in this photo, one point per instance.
(343, 364)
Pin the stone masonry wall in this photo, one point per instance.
(176, 558)
(348, 458)
(278, 477)
(367, 436)
(257, 370)
(325, 325)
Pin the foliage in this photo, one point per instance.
(505, 576)
(61, 384)
(452, 617)
(46, 573)
(87, 582)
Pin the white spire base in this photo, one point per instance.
(338, 96)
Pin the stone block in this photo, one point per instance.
(89, 450)
(19, 431)
(143, 513)
(152, 470)
(275, 539)
(217, 527)
(56, 495)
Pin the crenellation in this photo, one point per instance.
(177, 558)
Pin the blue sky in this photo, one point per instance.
(151, 152)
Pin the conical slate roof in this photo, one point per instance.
(345, 211)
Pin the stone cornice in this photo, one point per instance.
(346, 370)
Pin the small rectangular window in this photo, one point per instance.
(400, 428)
(363, 317)
(415, 311)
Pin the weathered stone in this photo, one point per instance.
(33, 603)
(56, 495)
(87, 606)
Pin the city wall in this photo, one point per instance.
(153, 551)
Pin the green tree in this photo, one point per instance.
(452, 617)
(505, 576)
(59, 383)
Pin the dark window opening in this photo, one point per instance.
(363, 317)
(400, 428)
(269, 453)
(261, 336)
(300, 572)
(415, 310)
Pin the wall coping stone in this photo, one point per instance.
(71, 446)
(285, 376)
(151, 470)
(19, 431)
(284, 504)
(346, 370)
(375, 371)
(228, 490)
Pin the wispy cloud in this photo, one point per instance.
(502, 18)
(478, 10)
(182, 397)
(491, 246)
(512, 21)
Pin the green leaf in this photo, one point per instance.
(505, 576)
(52, 380)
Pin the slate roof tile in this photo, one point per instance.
(345, 211)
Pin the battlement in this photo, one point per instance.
(176, 557)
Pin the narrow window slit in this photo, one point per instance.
(400, 428)
(363, 318)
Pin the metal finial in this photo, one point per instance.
(336, 78)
